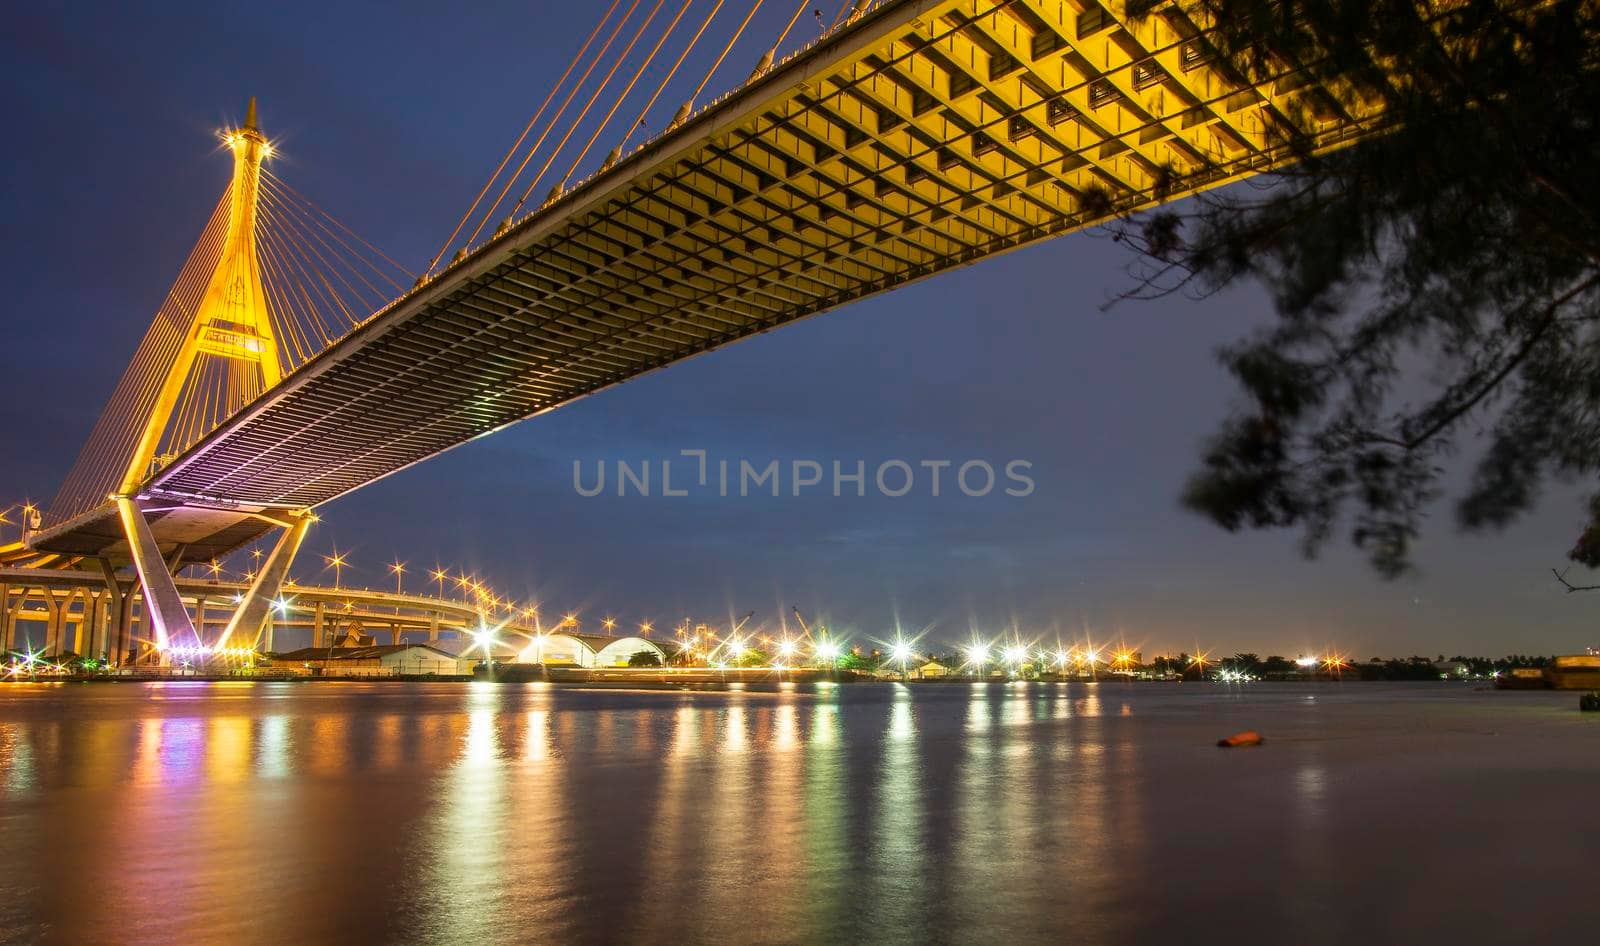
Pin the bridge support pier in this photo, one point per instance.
(119, 608)
(168, 618)
(319, 624)
(8, 623)
(52, 622)
(93, 620)
(81, 620)
(84, 626)
(252, 620)
(102, 624)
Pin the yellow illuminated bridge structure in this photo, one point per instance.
(292, 363)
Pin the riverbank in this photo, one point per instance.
(671, 678)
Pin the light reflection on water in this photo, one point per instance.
(955, 813)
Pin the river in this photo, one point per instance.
(481, 813)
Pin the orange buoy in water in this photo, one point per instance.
(1247, 738)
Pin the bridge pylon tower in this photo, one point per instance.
(229, 345)
(233, 322)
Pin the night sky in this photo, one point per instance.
(390, 116)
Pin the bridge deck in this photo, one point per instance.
(927, 135)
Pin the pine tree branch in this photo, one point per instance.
(1455, 413)
(1562, 577)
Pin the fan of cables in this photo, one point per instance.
(644, 34)
(305, 279)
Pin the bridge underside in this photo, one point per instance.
(927, 135)
(185, 535)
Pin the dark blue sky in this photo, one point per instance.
(389, 116)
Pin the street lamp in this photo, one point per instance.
(977, 656)
(483, 638)
(337, 562)
(901, 654)
(30, 517)
(399, 569)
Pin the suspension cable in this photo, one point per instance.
(517, 145)
(792, 20)
(674, 70)
(551, 124)
(727, 49)
(627, 90)
(840, 15)
(587, 105)
(278, 182)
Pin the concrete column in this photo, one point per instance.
(141, 638)
(79, 622)
(114, 635)
(120, 634)
(90, 628)
(200, 618)
(5, 616)
(56, 624)
(319, 624)
(433, 628)
(394, 634)
(127, 645)
(11, 617)
(253, 618)
(126, 629)
(165, 611)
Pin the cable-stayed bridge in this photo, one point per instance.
(911, 137)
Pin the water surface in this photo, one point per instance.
(279, 813)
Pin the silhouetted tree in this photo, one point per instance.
(1438, 282)
(1277, 665)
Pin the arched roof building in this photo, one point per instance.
(587, 650)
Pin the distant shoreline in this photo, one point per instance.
(687, 684)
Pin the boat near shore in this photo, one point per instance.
(1574, 672)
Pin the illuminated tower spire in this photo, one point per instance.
(232, 325)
